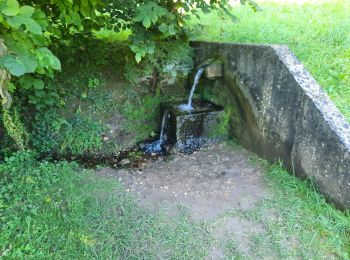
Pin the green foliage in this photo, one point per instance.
(159, 32)
(149, 13)
(81, 135)
(28, 28)
(40, 93)
(15, 128)
(29, 31)
(172, 60)
(220, 130)
(142, 114)
(157, 21)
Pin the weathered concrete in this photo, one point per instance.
(182, 126)
(281, 113)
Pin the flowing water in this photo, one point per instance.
(156, 146)
(166, 113)
(188, 106)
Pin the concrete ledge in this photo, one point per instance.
(281, 113)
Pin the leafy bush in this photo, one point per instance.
(171, 60)
(78, 136)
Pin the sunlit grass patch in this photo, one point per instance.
(316, 31)
(297, 221)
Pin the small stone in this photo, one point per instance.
(125, 162)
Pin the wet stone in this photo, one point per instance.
(190, 130)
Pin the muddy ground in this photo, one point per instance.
(210, 182)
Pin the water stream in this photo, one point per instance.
(165, 114)
(188, 106)
(156, 146)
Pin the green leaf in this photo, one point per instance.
(29, 62)
(149, 13)
(16, 68)
(134, 48)
(33, 26)
(11, 9)
(30, 24)
(15, 21)
(47, 59)
(26, 11)
(146, 22)
(38, 84)
(55, 63)
(11, 87)
(138, 57)
(26, 81)
(172, 29)
(13, 65)
(163, 28)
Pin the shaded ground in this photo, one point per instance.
(209, 183)
(239, 210)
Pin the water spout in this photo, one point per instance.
(188, 106)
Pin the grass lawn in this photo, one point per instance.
(61, 211)
(316, 31)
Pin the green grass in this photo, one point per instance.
(60, 211)
(298, 223)
(317, 33)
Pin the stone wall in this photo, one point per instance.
(281, 113)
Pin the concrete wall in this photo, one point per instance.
(281, 113)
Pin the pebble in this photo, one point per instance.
(125, 162)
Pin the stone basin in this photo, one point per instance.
(186, 128)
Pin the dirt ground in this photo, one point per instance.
(210, 183)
